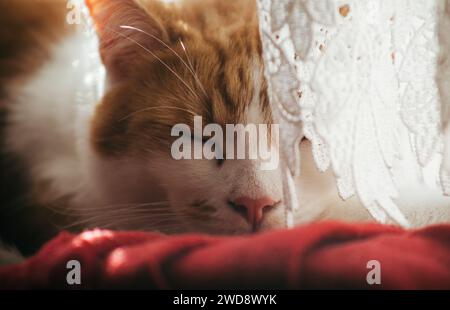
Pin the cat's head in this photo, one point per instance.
(167, 63)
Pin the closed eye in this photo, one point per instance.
(198, 139)
(203, 140)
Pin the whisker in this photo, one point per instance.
(158, 58)
(155, 209)
(168, 229)
(126, 208)
(160, 107)
(114, 218)
(191, 68)
(137, 223)
(130, 220)
(122, 205)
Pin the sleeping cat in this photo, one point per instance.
(107, 163)
(111, 165)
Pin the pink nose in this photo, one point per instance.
(253, 208)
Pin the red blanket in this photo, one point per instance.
(323, 255)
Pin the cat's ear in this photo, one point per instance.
(125, 32)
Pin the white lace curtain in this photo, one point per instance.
(366, 81)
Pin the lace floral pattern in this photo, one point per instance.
(357, 78)
(443, 79)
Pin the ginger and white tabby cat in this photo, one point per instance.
(110, 165)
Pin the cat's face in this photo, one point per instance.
(165, 65)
